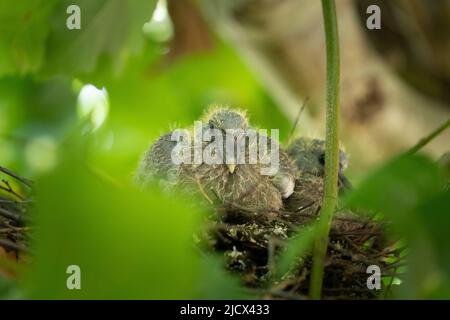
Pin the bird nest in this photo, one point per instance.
(252, 241)
(255, 215)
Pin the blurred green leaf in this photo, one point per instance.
(434, 215)
(24, 27)
(409, 191)
(9, 289)
(298, 247)
(110, 29)
(216, 283)
(32, 111)
(429, 260)
(128, 244)
(35, 36)
(398, 186)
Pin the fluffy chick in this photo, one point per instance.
(157, 162)
(240, 185)
(309, 157)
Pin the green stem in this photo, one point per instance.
(331, 147)
(424, 141)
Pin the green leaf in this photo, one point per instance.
(398, 186)
(429, 271)
(435, 217)
(216, 283)
(128, 244)
(35, 37)
(24, 29)
(110, 29)
(409, 191)
(30, 111)
(9, 289)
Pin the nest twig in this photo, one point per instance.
(14, 206)
(251, 241)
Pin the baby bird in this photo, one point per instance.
(309, 157)
(157, 162)
(240, 184)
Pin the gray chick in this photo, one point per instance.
(241, 185)
(309, 157)
(157, 163)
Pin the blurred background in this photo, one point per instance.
(79, 107)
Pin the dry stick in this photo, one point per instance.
(10, 215)
(424, 141)
(271, 255)
(358, 249)
(390, 284)
(357, 232)
(12, 230)
(297, 118)
(15, 202)
(9, 189)
(11, 245)
(25, 181)
(331, 147)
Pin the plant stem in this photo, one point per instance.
(331, 147)
(424, 141)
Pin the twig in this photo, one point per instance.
(297, 118)
(355, 257)
(386, 292)
(9, 189)
(12, 229)
(25, 181)
(424, 141)
(15, 201)
(271, 255)
(11, 245)
(399, 263)
(10, 215)
(355, 233)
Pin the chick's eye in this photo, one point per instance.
(322, 159)
(211, 125)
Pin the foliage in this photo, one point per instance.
(36, 39)
(410, 191)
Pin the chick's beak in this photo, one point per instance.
(231, 167)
